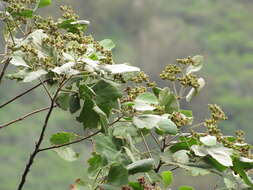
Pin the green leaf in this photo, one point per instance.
(67, 154)
(208, 140)
(124, 131)
(118, 175)
(150, 121)
(167, 126)
(63, 101)
(141, 166)
(74, 103)
(167, 157)
(156, 91)
(165, 97)
(144, 102)
(91, 115)
(229, 183)
(181, 156)
(71, 25)
(107, 95)
(184, 145)
(187, 113)
(239, 168)
(28, 13)
(86, 92)
(185, 188)
(195, 171)
(135, 185)
(107, 44)
(44, 3)
(106, 91)
(246, 163)
(167, 177)
(155, 177)
(214, 164)
(62, 138)
(147, 121)
(147, 98)
(31, 76)
(96, 162)
(106, 146)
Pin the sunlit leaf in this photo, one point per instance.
(181, 156)
(44, 3)
(31, 76)
(141, 166)
(66, 69)
(219, 153)
(135, 185)
(145, 102)
(107, 44)
(194, 91)
(119, 68)
(67, 154)
(208, 140)
(167, 177)
(196, 66)
(18, 60)
(62, 138)
(185, 188)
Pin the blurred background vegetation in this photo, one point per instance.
(149, 34)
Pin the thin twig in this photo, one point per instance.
(24, 116)
(41, 137)
(6, 64)
(197, 125)
(73, 142)
(9, 29)
(47, 91)
(146, 145)
(69, 91)
(156, 140)
(160, 161)
(115, 121)
(94, 182)
(23, 93)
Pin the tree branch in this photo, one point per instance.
(6, 64)
(22, 94)
(41, 137)
(73, 142)
(160, 161)
(25, 116)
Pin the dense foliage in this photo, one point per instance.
(119, 106)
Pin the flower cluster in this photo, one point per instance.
(186, 61)
(180, 119)
(170, 72)
(189, 80)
